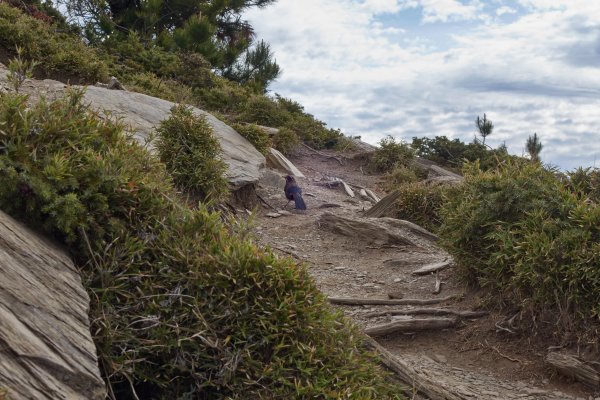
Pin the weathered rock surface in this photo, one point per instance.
(440, 175)
(381, 231)
(143, 113)
(46, 350)
(278, 161)
(439, 382)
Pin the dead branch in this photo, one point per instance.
(412, 325)
(265, 202)
(322, 154)
(428, 311)
(291, 253)
(386, 302)
(429, 268)
(505, 356)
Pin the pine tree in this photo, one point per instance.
(213, 28)
(534, 147)
(256, 67)
(484, 126)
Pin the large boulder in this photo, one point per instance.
(46, 350)
(144, 113)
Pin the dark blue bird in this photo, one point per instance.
(293, 192)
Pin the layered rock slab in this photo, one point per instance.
(46, 350)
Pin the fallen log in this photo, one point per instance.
(428, 311)
(572, 366)
(387, 302)
(429, 268)
(411, 325)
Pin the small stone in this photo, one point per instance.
(273, 215)
(396, 280)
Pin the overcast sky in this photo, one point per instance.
(428, 67)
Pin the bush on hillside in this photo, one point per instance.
(181, 306)
(586, 182)
(190, 151)
(152, 85)
(261, 110)
(255, 135)
(285, 141)
(520, 232)
(422, 203)
(391, 154)
(453, 153)
(58, 53)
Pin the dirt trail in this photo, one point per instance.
(474, 359)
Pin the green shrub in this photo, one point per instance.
(150, 84)
(520, 232)
(453, 153)
(422, 203)
(255, 135)
(181, 306)
(285, 141)
(262, 110)
(312, 131)
(586, 182)
(58, 53)
(390, 155)
(399, 176)
(191, 153)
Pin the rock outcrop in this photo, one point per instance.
(277, 160)
(46, 350)
(144, 113)
(381, 231)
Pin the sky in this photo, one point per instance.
(409, 68)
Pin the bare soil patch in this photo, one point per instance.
(346, 266)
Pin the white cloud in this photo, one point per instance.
(381, 6)
(449, 10)
(505, 10)
(537, 74)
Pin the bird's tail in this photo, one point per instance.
(300, 204)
